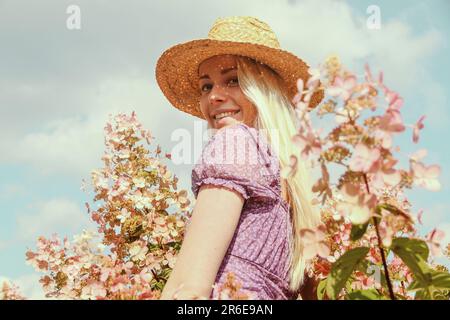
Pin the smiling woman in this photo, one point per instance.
(246, 216)
(222, 101)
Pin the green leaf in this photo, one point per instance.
(369, 294)
(414, 253)
(363, 266)
(174, 244)
(389, 207)
(440, 295)
(439, 280)
(358, 231)
(418, 246)
(422, 295)
(393, 209)
(342, 269)
(415, 285)
(321, 289)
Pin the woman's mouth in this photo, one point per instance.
(225, 114)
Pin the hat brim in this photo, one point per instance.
(177, 69)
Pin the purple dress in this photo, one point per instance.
(240, 158)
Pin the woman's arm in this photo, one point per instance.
(213, 223)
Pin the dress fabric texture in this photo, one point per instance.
(239, 158)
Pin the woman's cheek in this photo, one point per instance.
(249, 112)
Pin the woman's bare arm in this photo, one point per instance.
(213, 223)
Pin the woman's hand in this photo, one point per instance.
(182, 293)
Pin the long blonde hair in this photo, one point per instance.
(276, 115)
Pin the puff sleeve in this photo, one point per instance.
(233, 159)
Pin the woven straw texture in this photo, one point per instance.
(177, 68)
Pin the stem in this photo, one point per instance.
(341, 114)
(383, 258)
(366, 183)
(352, 121)
(380, 246)
(342, 164)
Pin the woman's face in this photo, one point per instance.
(220, 93)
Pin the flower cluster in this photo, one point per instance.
(10, 292)
(141, 220)
(368, 246)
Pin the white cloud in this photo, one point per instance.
(316, 29)
(51, 216)
(69, 146)
(82, 77)
(74, 146)
(57, 87)
(67, 111)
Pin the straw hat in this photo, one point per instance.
(177, 68)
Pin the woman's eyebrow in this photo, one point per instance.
(205, 76)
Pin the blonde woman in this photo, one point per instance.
(246, 216)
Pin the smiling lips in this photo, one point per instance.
(225, 114)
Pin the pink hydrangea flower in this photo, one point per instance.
(416, 129)
(395, 102)
(426, 177)
(93, 290)
(434, 239)
(364, 158)
(138, 251)
(342, 88)
(314, 242)
(356, 205)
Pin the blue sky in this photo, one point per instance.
(57, 87)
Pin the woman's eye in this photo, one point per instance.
(204, 86)
(235, 80)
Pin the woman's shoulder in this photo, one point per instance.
(244, 134)
(242, 145)
(239, 148)
(236, 155)
(233, 144)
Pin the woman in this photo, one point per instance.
(245, 215)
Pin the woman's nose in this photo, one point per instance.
(217, 95)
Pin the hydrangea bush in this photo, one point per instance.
(367, 247)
